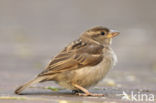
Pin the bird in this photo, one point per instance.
(81, 64)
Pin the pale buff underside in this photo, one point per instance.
(88, 76)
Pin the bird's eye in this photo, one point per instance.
(102, 33)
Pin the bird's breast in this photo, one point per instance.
(91, 75)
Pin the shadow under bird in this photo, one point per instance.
(82, 63)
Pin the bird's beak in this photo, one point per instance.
(113, 33)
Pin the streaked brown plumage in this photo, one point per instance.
(82, 63)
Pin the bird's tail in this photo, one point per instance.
(28, 84)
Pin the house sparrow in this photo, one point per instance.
(82, 63)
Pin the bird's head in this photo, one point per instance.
(100, 34)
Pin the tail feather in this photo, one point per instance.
(28, 84)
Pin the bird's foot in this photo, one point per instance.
(85, 91)
(76, 91)
(89, 94)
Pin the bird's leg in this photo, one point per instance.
(86, 92)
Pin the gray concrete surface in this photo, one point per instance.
(32, 32)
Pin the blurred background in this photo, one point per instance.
(33, 31)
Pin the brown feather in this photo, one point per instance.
(77, 55)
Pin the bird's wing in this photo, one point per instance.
(76, 55)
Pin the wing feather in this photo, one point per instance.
(75, 56)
